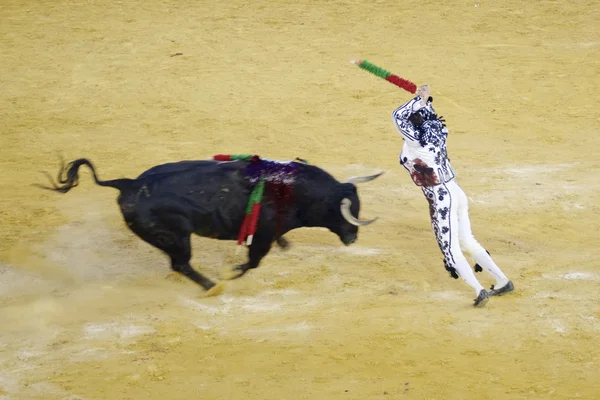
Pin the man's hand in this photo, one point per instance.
(423, 92)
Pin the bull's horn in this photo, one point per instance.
(362, 179)
(345, 208)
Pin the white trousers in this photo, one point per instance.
(449, 211)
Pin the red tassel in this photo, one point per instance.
(244, 229)
(222, 157)
(253, 222)
(403, 83)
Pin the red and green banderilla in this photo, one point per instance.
(252, 213)
(387, 75)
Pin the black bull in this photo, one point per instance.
(169, 202)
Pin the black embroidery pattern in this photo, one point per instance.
(441, 192)
(440, 204)
(401, 119)
(431, 134)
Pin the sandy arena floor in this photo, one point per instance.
(88, 311)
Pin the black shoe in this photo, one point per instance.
(509, 287)
(481, 299)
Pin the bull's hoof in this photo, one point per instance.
(216, 290)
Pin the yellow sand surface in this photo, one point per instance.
(89, 311)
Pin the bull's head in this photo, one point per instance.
(350, 208)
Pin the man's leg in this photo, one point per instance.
(444, 220)
(472, 247)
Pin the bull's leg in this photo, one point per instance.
(180, 262)
(176, 244)
(256, 253)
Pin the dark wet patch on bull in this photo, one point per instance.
(281, 194)
(279, 179)
(423, 175)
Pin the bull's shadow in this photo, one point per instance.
(252, 200)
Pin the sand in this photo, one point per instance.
(89, 311)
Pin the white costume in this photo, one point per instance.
(425, 157)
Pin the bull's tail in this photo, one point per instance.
(68, 177)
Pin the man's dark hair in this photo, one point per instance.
(416, 119)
